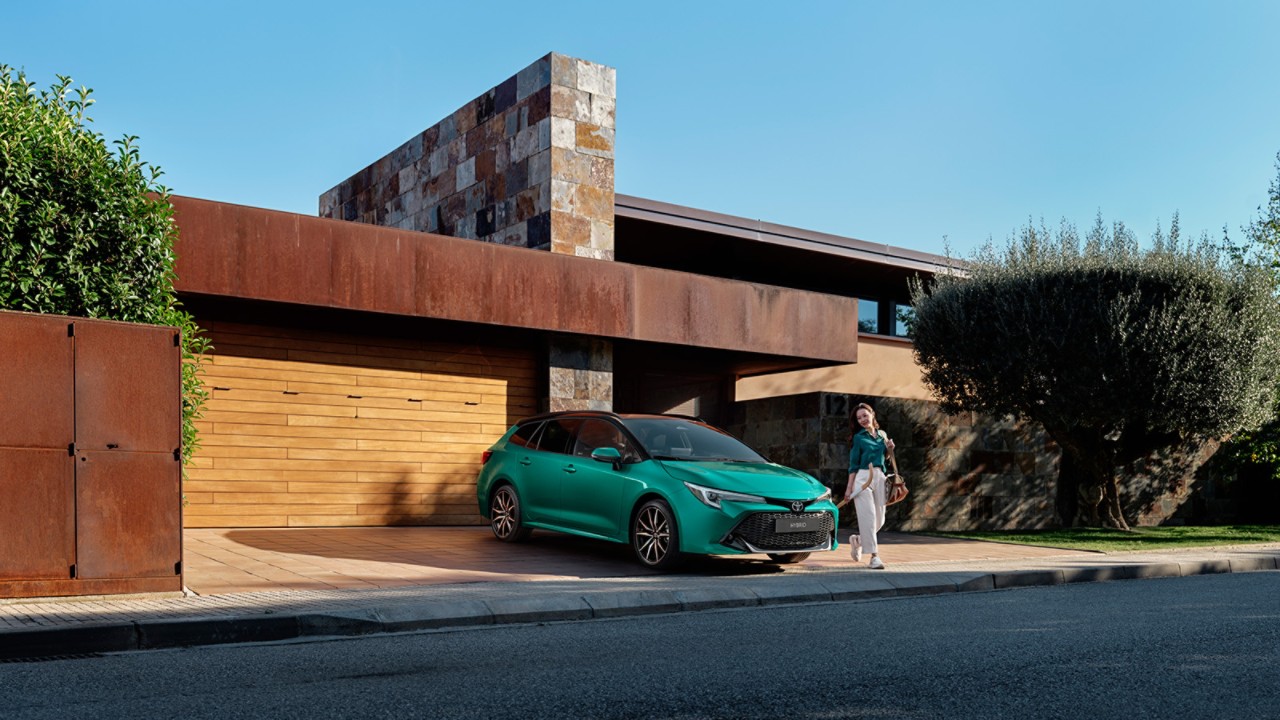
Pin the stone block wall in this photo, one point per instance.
(528, 163)
(962, 474)
(970, 472)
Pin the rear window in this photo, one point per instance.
(524, 435)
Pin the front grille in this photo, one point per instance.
(757, 529)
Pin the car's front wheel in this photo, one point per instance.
(787, 558)
(655, 539)
(504, 515)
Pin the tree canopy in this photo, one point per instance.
(1117, 350)
(85, 230)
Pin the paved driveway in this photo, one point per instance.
(226, 561)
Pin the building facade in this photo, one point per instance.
(486, 270)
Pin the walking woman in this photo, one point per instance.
(866, 482)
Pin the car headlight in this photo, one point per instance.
(712, 497)
(826, 495)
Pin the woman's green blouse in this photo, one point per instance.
(866, 449)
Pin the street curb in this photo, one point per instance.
(153, 634)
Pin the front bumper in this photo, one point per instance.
(747, 528)
(755, 533)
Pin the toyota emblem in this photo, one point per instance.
(797, 506)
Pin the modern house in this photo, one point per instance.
(486, 270)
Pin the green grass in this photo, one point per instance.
(1146, 538)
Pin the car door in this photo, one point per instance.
(544, 470)
(591, 491)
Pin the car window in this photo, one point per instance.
(596, 434)
(524, 435)
(678, 439)
(557, 435)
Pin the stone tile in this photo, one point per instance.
(568, 102)
(563, 133)
(568, 228)
(564, 196)
(603, 111)
(533, 78)
(593, 140)
(564, 70)
(540, 167)
(594, 203)
(466, 174)
(570, 165)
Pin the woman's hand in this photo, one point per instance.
(888, 444)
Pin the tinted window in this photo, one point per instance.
(673, 439)
(525, 434)
(903, 316)
(557, 435)
(868, 316)
(596, 434)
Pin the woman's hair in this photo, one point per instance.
(854, 427)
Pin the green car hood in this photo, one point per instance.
(773, 481)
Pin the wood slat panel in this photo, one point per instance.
(405, 451)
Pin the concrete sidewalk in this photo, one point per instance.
(610, 587)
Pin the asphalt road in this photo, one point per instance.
(1197, 647)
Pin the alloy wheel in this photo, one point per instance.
(655, 536)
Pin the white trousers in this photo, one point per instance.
(869, 505)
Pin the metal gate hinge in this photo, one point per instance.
(177, 568)
(73, 572)
(71, 449)
(71, 329)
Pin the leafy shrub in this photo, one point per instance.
(86, 231)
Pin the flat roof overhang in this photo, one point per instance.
(761, 232)
(244, 253)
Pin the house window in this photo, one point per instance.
(903, 316)
(868, 316)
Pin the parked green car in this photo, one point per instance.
(665, 484)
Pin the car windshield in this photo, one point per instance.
(676, 439)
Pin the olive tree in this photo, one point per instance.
(1116, 350)
(1262, 247)
(86, 230)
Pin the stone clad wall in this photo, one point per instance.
(528, 163)
(963, 475)
(969, 472)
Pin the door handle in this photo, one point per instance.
(526, 461)
(570, 469)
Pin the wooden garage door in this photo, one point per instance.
(310, 429)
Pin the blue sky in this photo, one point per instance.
(892, 122)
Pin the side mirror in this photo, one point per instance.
(609, 455)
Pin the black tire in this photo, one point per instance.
(505, 517)
(655, 539)
(787, 558)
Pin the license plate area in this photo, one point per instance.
(795, 524)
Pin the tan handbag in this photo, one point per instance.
(895, 486)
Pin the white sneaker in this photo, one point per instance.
(856, 550)
(876, 564)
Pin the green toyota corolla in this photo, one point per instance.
(665, 484)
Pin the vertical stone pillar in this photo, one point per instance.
(527, 163)
(580, 373)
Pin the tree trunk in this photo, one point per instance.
(1068, 498)
(1088, 489)
(1111, 504)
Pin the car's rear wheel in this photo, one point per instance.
(787, 558)
(504, 515)
(655, 539)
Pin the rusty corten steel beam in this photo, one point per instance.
(250, 253)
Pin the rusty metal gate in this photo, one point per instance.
(90, 474)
